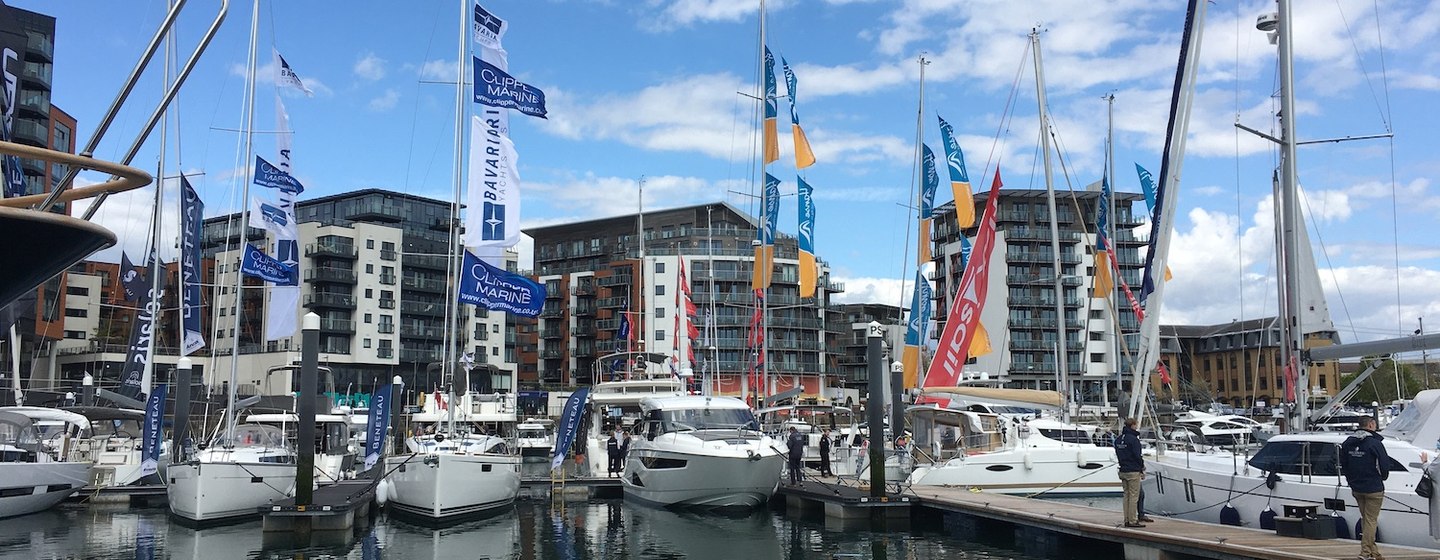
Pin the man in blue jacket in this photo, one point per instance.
(1132, 470)
(1366, 467)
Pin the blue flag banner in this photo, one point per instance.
(965, 247)
(192, 211)
(1152, 196)
(150, 441)
(772, 209)
(624, 331)
(568, 425)
(919, 311)
(498, 290)
(806, 216)
(258, 264)
(930, 184)
(1102, 216)
(497, 88)
(1147, 185)
(134, 380)
(130, 278)
(267, 175)
(375, 427)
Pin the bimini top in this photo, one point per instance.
(691, 402)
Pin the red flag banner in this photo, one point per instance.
(960, 325)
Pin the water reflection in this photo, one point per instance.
(533, 530)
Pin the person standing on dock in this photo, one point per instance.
(612, 451)
(796, 445)
(1366, 467)
(825, 453)
(1132, 470)
(624, 447)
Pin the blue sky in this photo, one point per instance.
(652, 88)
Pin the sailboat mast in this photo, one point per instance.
(640, 312)
(922, 239)
(1288, 219)
(451, 341)
(156, 269)
(238, 308)
(1110, 299)
(1061, 372)
(768, 387)
(714, 367)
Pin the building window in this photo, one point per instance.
(76, 312)
(367, 320)
(659, 312)
(1097, 357)
(659, 268)
(365, 342)
(369, 268)
(369, 293)
(660, 290)
(78, 335)
(494, 328)
(77, 291)
(660, 335)
(494, 350)
(369, 244)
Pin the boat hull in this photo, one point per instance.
(1195, 486)
(670, 478)
(446, 486)
(226, 491)
(30, 487)
(1066, 471)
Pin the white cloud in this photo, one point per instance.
(686, 13)
(370, 67)
(438, 71)
(588, 197)
(871, 290)
(386, 101)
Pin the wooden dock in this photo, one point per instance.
(844, 501)
(1164, 538)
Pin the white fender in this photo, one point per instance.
(1080, 457)
(1029, 462)
(382, 491)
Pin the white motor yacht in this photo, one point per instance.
(812, 419)
(1226, 429)
(1300, 468)
(35, 467)
(335, 451)
(615, 400)
(231, 478)
(698, 451)
(535, 437)
(992, 453)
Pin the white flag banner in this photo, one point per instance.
(492, 209)
(286, 77)
(282, 315)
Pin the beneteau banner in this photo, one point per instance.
(498, 290)
(569, 424)
(151, 439)
(375, 427)
(192, 210)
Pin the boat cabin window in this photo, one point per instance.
(1298, 458)
(1067, 436)
(691, 419)
(258, 435)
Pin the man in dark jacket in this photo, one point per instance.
(612, 452)
(1366, 467)
(796, 445)
(825, 453)
(1132, 470)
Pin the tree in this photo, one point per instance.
(1380, 386)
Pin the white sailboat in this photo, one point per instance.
(35, 470)
(702, 452)
(456, 471)
(244, 467)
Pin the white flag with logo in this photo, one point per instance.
(286, 77)
(492, 213)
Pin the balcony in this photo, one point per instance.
(432, 262)
(481, 334)
(552, 333)
(552, 312)
(337, 250)
(373, 210)
(422, 308)
(385, 328)
(419, 356)
(551, 354)
(423, 284)
(387, 279)
(329, 274)
(346, 326)
(40, 45)
(616, 280)
(584, 310)
(337, 301)
(32, 132)
(36, 103)
(37, 73)
(408, 331)
(611, 302)
(387, 304)
(385, 353)
(585, 330)
(584, 289)
(388, 255)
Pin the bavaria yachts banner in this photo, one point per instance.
(192, 211)
(495, 289)
(488, 30)
(258, 264)
(497, 88)
(493, 207)
(568, 425)
(375, 427)
(151, 439)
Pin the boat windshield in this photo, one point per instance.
(533, 433)
(255, 435)
(707, 419)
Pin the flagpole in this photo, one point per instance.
(451, 342)
(640, 233)
(1110, 298)
(244, 220)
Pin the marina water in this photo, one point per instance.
(534, 529)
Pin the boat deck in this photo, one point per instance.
(1195, 538)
